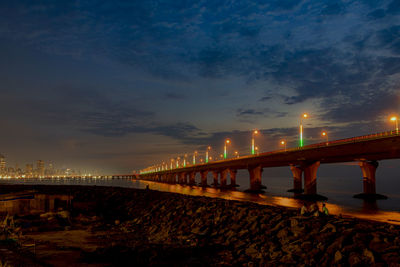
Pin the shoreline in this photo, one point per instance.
(148, 227)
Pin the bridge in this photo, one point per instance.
(304, 161)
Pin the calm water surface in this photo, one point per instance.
(339, 202)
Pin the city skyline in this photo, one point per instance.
(118, 87)
(37, 169)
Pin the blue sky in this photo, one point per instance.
(119, 85)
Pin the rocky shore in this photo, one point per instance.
(108, 226)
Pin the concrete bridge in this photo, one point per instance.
(303, 162)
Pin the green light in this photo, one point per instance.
(301, 135)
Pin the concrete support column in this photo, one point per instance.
(224, 175)
(192, 176)
(255, 178)
(233, 173)
(368, 170)
(215, 177)
(203, 175)
(310, 178)
(182, 178)
(297, 182)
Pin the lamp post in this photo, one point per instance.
(284, 144)
(184, 161)
(227, 142)
(252, 141)
(208, 149)
(172, 162)
(256, 149)
(237, 154)
(304, 116)
(394, 118)
(194, 157)
(177, 162)
(325, 134)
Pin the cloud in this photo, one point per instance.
(247, 112)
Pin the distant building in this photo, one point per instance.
(3, 170)
(29, 170)
(40, 167)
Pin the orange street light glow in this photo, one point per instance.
(252, 141)
(394, 118)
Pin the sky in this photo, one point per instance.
(116, 86)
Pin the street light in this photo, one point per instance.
(252, 141)
(304, 116)
(256, 149)
(237, 154)
(208, 149)
(394, 118)
(194, 157)
(184, 161)
(283, 143)
(172, 162)
(227, 142)
(325, 134)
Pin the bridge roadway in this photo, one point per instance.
(367, 150)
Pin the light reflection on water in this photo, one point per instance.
(357, 208)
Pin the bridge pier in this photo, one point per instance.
(203, 175)
(232, 174)
(224, 175)
(255, 178)
(192, 176)
(368, 169)
(310, 178)
(215, 178)
(182, 178)
(297, 181)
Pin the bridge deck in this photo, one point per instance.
(370, 147)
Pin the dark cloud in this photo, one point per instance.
(393, 7)
(377, 14)
(249, 112)
(333, 8)
(265, 98)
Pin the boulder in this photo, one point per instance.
(369, 256)
(338, 256)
